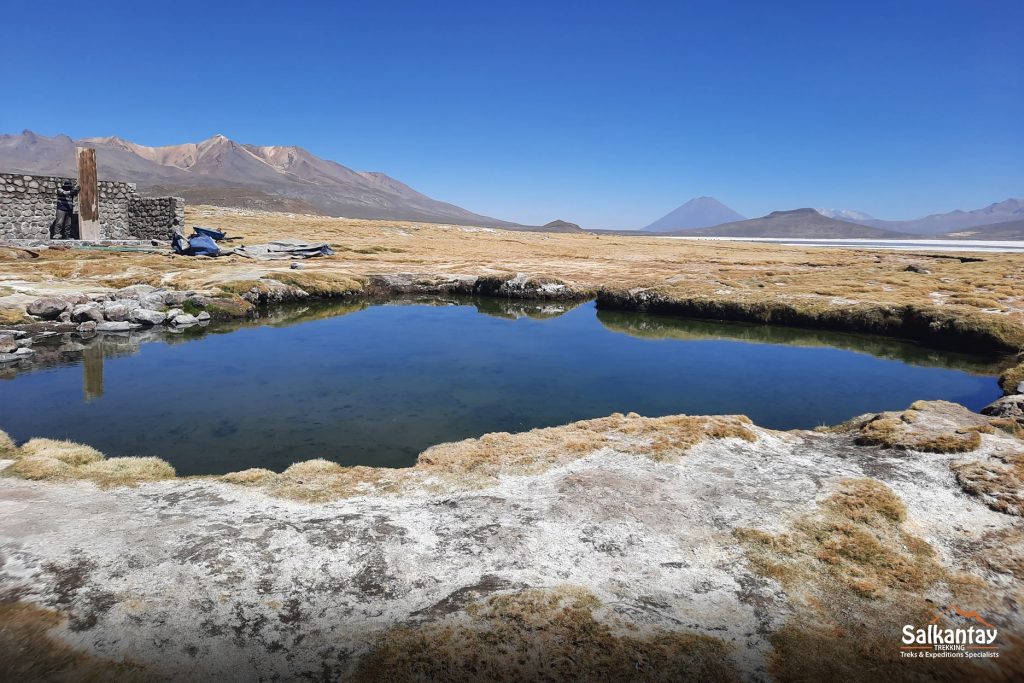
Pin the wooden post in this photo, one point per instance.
(89, 197)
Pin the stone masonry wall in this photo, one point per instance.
(28, 204)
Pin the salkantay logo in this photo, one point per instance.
(951, 633)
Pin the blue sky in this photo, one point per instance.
(606, 114)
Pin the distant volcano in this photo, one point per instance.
(805, 223)
(700, 212)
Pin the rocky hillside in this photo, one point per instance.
(223, 172)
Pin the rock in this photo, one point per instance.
(1020, 388)
(174, 313)
(24, 352)
(116, 326)
(86, 312)
(64, 317)
(184, 319)
(88, 327)
(9, 358)
(203, 316)
(153, 301)
(1008, 406)
(134, 291)
(146, 316)
(119, 310)
(914, 268)
(296, 266)
(197, 300)
(47, 308)
(175, 298)
(7, 344)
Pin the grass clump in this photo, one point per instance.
(65, 451)
(999, 481)
(855, 577)
(320, 283)
(927, 426)
(7, 445)
(52, 459)
(542, 634)
(1011, 379)
(30, 653)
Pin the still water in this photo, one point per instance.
(377, 384)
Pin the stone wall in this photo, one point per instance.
(28, 204)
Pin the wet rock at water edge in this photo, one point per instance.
(1011, 407)
(184, 319)
(88, 328)
(174, 313)
(7, 344)
(202, 316)
(117, 326)
(86, 312)
(145, 316)
(48, 308)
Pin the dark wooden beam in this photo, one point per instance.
(89, 197)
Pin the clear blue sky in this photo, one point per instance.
(607, 114)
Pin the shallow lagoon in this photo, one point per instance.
(376, 384)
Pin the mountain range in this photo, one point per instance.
(223, 172)
(798, 223)
(999, 221)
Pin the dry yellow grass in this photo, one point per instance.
(7, 444)
(65, 451)
(51, 459)
(29, 653)
(542, 635)
(1011, 379)
(999, 481)
(928, 426)
(856, 577)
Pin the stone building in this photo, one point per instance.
(27, 205)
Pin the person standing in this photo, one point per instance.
(61, 228)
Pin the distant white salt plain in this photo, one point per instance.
(1006, 246)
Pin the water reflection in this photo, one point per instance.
(683, 329)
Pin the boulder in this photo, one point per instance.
(202, 316)
(184, 319)
(64, 317)
(153, 301)
(7, 344)
(86, 312)
(48, 308)
(197, 300)
(174, 313)
(119, 310)
(134, 291)
(175, 298)
(146, 316)
(1011, 407)
(88, 327)
(116, 326)
(24, 352)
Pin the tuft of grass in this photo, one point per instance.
(1011, 379)
(250, 477)
(51, 459)
(998, 481)
(7, 445)
(30, 653)
(927, 426)
(855, 577)
(125, 471)
(313, 468)
(541, 634)
(69, 452)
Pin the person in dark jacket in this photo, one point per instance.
(61, 229)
